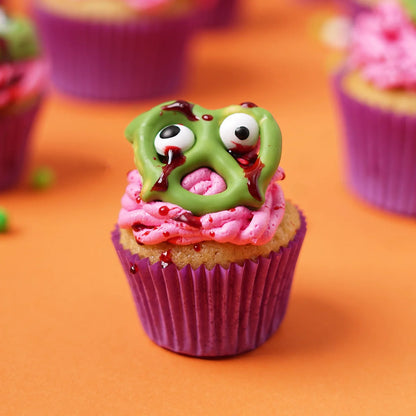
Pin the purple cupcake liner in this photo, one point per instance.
(380, 149)
(116, 61)
(224, 13)
(353, 7)
(212, 313)
(15, 129)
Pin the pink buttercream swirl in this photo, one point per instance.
(19, 80)
(383, 47)
(157, 221)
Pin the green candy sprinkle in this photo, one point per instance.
(4, 220)
(42, 178)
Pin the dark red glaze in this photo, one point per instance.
(182, 106)
(248, 104)
(163, 210)
(133, 269)
(166, 258)
(277, 207)
(252, 173)
(138, 227)
(166, 234)
(189, 219)
(207, 117)
(232, 209)
(210, 219)
(175, 158)
(197, 247)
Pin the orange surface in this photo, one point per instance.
(70, 340)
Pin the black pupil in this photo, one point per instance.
(170, 131)
(242, 132)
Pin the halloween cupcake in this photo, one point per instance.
(377, 96)
(22, 86)
(117, 49)
(205, 236)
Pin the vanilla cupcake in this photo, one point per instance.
(23, 79)
(377, 95)
(205, 236)
(117, 49)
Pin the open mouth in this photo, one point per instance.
(204, 181)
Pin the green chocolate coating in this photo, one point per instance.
(18, 40)
(207, 151)
(410, 6)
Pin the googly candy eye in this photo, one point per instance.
(239, 131)
(174, 136)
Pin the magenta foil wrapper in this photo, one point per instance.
(15, 129)
(212, 313)
(380, 149)
(116, 61)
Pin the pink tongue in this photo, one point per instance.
(204, 181)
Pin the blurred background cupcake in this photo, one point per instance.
(22, 86)
(219, 13)
(377, 96)
(117, 49)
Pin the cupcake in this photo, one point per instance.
(205, 236)
(22, 86)
(117, 49)
(376, 91)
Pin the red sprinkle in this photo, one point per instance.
(207, 117)
(166, 258)
(166, 234)
(133, 269)
(197, 247)
(212, 233)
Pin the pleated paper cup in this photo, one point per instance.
(15, 132)
(212, 313)
(116, 61)
(380, 148)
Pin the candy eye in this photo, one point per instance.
(175, 136)
(238, 131)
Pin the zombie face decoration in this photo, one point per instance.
(240, 143)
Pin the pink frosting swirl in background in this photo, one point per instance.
(383, 47)
(157, 221)
(19, 80)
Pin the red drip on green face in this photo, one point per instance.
(175, 158)
(182, 106)
(252, 173)
(248, 104)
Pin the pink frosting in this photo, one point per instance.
(383, 47)
(157, 221)
(19, 80)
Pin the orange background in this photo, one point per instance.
(70, 340)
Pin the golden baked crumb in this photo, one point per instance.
(398, 100)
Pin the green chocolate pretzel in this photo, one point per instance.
(208, 150)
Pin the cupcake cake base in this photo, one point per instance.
(212, 313)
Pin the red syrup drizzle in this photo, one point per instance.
(175, 158)
(189, 219)
(166, 258)
(248, 104)
(248, 159)
(183, 107)
(207, 117)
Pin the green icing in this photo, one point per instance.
(410, 6)
(18, 39)
(207, 151)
